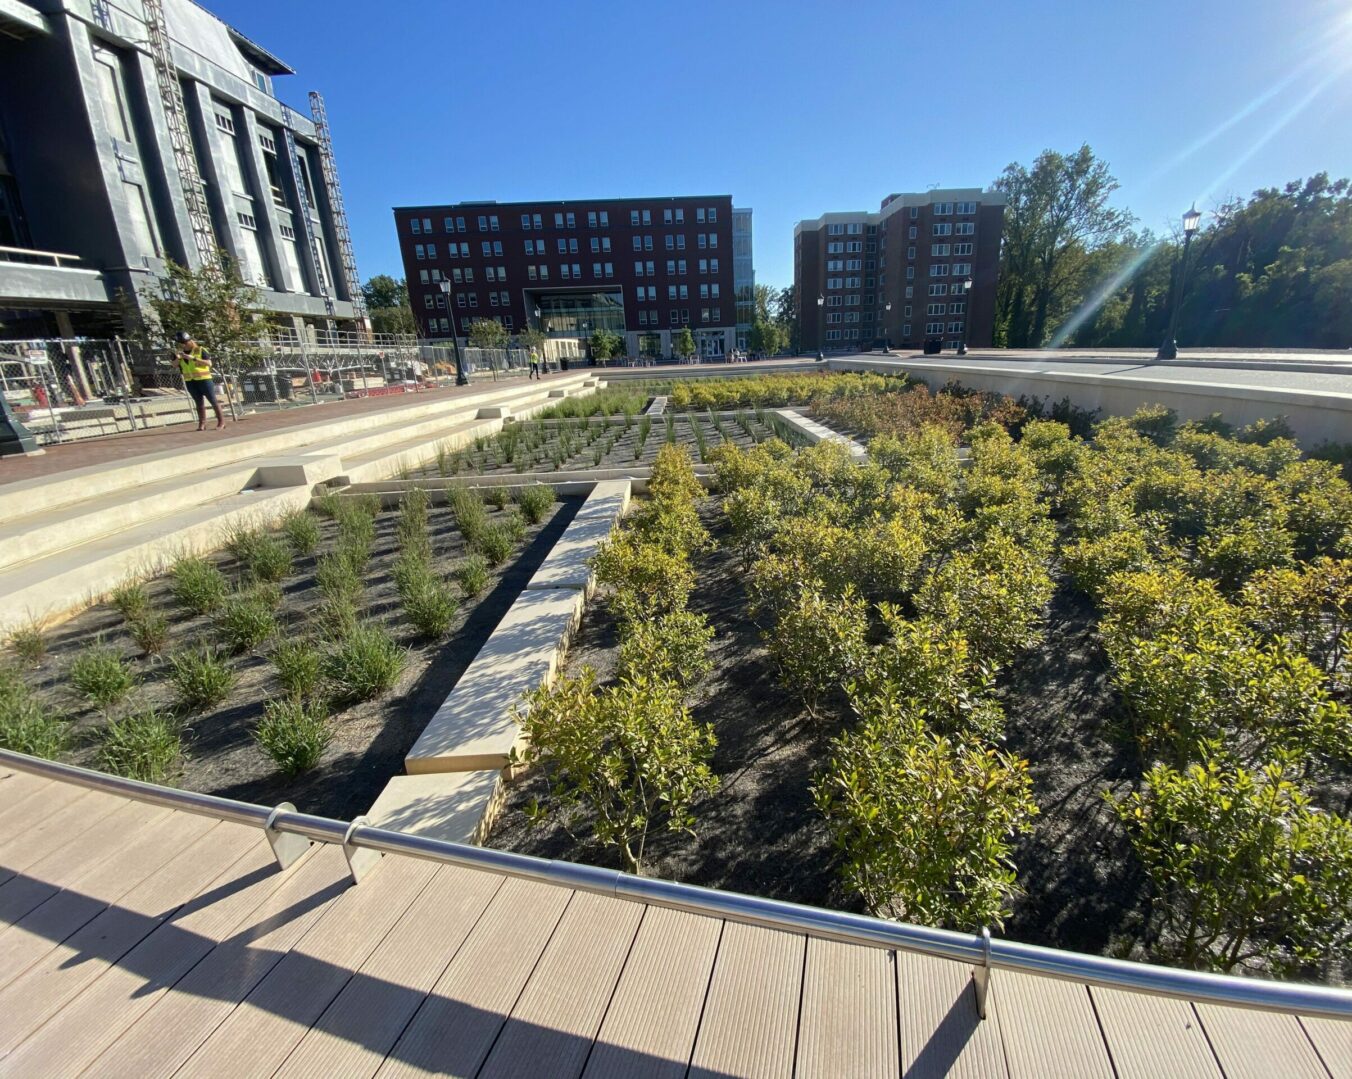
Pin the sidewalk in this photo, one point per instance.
(93, 451)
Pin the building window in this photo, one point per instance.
(939, 269)
(638, 242)
(938, 290)
(652, 271)
(967, 207)
(563, 271)
(456, 275)
(596, 269)
(591, 219)
(544, 273)
(938, 249)
(713, 265)
(647, 243)
(704, 314)
(957, 309)
(633, 217)
(605, 245)
(855, 247)
(571, 221)
(934, 327)
(595, 245)
(965, 228)
(483, 223)
(558, 220)
(915, 212)
(666, 216)
(647, 217)
(943, 209)
(680, 242)
(836, 247)
(610, 269)
(704, 292)
(225, 123)
(669, 241)
(962, 249)
(469, 275)
(906, 329)
(961, 269)
(419, 251)
(530, 272)
(680, 216)
(572, 245)
(910, 232)
(493, 223)
(955, 327)
(685, 292)
(714, 290)
(563, 246)
(936, 309)
(525, 222)
(680, 267)
(415, 227)
(835, 230)
(942, 228)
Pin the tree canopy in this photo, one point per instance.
(387, 305)
(217, 306)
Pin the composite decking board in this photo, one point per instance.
(1257, 1045)
(16, 787)
(848, 1020)
(166, 1035)
(1050, 1029)
(650, 1026)
(25, 943)
(66, 866)
(454, 1030)
(66, 970)
(941, 1032)
(259, 1034)
(60, 814)
(750, 1021)
(92, 1021)
(1177, 1042)
(1332, 1040)
(364, 1021)
(552, 1027)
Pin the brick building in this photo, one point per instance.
(641, 268)
(923, 267)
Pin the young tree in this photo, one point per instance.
(786, 315)
(487, 333)
(533, 338)
(387, 305)
(765, 337)
(218, 307)
(683, 344)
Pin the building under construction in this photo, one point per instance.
(127, 139)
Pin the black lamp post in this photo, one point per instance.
(821, 333)
(1168, 349)
(461, 378)
(966, 315)
(887, 341)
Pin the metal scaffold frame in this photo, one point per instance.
(176, 117)
(329, 166)
(306, 224)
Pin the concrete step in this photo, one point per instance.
(457, 807)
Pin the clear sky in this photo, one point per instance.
(798, 108)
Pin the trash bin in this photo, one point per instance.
(933, 346)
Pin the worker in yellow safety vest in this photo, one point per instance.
(195, 366)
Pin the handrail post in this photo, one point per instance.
(981, 975)
(360, 860)
(286, 846)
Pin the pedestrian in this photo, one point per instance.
(195, 366)
(534, 365)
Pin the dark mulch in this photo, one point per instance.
(371, 738)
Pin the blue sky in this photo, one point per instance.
(438, 101)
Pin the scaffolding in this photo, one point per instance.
(329, 167)
(176, 117)
(307, 224)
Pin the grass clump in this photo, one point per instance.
(497, 496)
(201, 677)
(100, 677)
(338, 576)
(412, 526)
(428, 602)
(150, 631)
(131, 600)
(144, 745)
(245, 623)
(270, 559)
(473, 575)
(28, 643)
(301, 530)
(299, 666)
(326, 504)
(495, 544)
(467, 507)
(198, 585)
(535, 501)
(27, 725)
(365, 664)
(337, 618)
(294, 732)
(242, 540)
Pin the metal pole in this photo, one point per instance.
(309, 370)
(1168, 349)
(125, 372)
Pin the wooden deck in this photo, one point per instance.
(138, 941)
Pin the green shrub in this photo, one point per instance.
(294, 732)
(131, 600)
(242, 540)
(150, 632)
(818, 643)
(27, 724)
(495, 544)
(100, 677)
(338, 577)
(431, 608)
(201, 677)
(467, 508)
(144, 745)
(337, 617)
(412, 526)
(628, 758)
(1242, 867)
(497, 497)
(244, 623)
(28, 643)
(299, 666)
(472, 575)
(198, 585)
(672, 648)
(270, 559)
(535, 502)
(647, 581)
(301, 529)
(365, 664)
(327, 504)
(925, 823)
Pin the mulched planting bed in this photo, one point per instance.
(370, 738)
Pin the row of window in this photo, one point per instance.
(938, 250)
(945, 309)
(851, 228)
(841, 265)
(563, 219)
(840, 247)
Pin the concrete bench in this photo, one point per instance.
(474, 728)
(566, 565)
(459, 807)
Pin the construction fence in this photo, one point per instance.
(65, 389)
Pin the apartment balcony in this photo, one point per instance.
(46, 279)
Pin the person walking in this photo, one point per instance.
(534, 366)
(195, 366)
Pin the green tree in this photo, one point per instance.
(487, 333)
(766, 337)
(533, 338)
(218, 307)
(764, 298)
(683, 344)
(387, 305)
(786, 315)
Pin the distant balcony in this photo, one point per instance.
(37, 279)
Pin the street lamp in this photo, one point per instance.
(887, 345)
(821, 334)
(966, 315)
(1168, 349)
(461, 378)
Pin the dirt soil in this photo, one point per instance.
(370, 738)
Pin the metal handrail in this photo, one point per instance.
(978, 949)
(55, 256)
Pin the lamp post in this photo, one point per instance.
(539, 325)
(821, 334)
(1168, 349)
(966, 315)
(887, 345)
(461, 378)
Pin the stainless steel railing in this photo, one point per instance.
(285, 827)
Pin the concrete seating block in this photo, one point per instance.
(474, 728)
(305, 470)
(558, 393)
(566, 565)
(498, 413)
(458, 807)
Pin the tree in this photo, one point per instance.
(487, 333)
(1055, 214)
(767, 338)
(683, 344)
(387, 305)
(604, 344)
(533, 338)
(786, 315)
(764, 298)
(218, 307)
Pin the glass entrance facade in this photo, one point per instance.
(566, 314)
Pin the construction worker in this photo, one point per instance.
(195, 366)
(534, 365)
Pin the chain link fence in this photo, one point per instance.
(65, 389)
